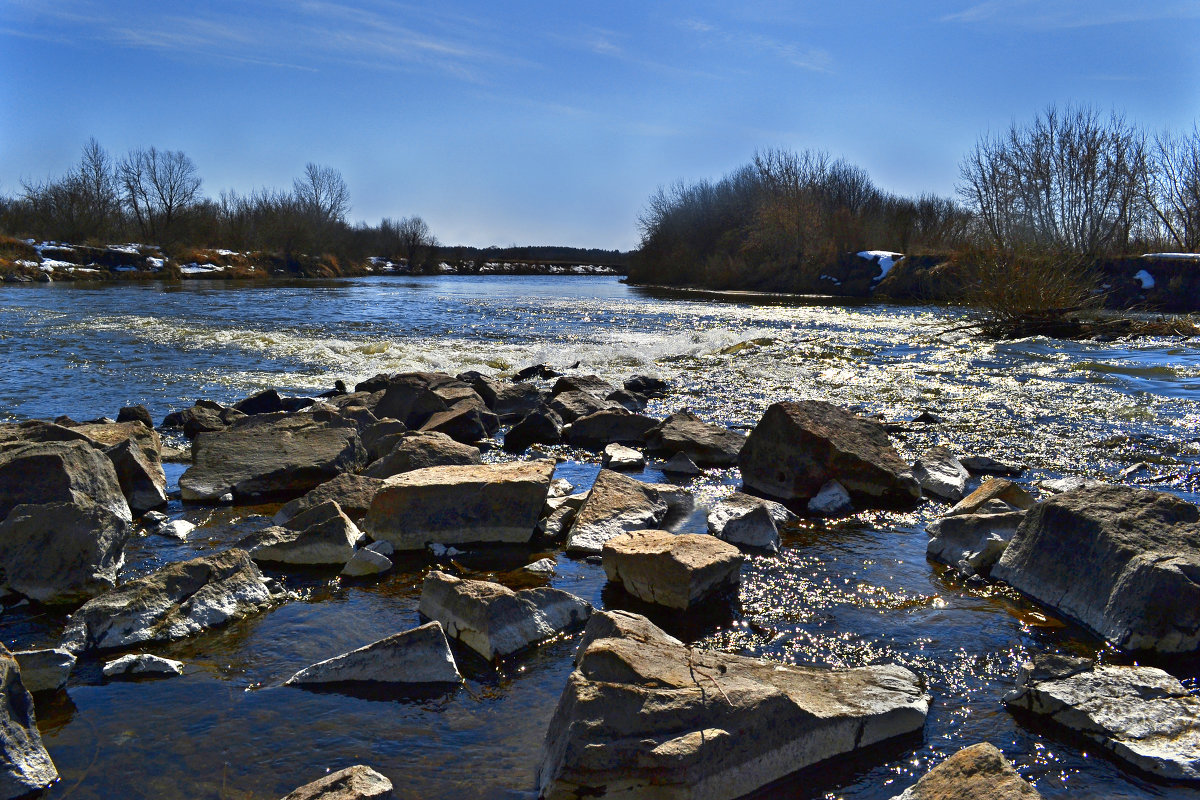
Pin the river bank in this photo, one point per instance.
(850, 592)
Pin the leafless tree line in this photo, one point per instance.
(154, 196)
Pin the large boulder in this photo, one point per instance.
(600, 428)
(179, 600)
(1124, 562)
(616, 504)
(61, 552)
(25, 766)
(671, 570)
(353, 493)
(420, 450)
(460, 504)
(467, 420)
(59, 472)
(573, 405)
(271, 456)
(420, 655)
(540, 426)
(359, 782)
(644, 716)
(1140, 715)
(106, 435)
(978, 772)
(144, 484)
(972, 543)
(748, 520)
(797, 447)
(495, 621)
(707, 445)
(322, 535)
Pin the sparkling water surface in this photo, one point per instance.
(849, 593)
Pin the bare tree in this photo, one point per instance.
(323, 194)
(408, 238)
(83, 204)
(1173, 186)
(158, 186)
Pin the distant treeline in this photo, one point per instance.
(154, 197)
(1041, 200)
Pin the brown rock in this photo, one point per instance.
(674, 571)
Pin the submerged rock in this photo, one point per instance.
(271, 456)
(978, 772)
(680, 464)
(985, 465)
(460, 504)
(671, 570)
(142, 664)
(797, 447)
(495, 621)
(61, 552)
(748, 520)
(179, 600)
(645, 716)
(614, 505)
(420, 655)
(25, 766)
(352, 783)
(1124, 562)
(1141, 715)
(941, 474)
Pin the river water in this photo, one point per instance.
(849, 593)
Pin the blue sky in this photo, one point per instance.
(552, 122)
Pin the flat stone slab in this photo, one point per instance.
(1124, 562)
(978, 772)
(1141, 715)
(142, 664)
(421, 655)
(495, 621)
(352, 783)
(671, 570)
(643, 716)
(470, 504)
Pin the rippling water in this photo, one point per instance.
(854, 592)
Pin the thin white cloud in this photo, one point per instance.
(814, 59)
(1050, 15)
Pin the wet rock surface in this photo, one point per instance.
(614, 505)
(25, 766)
(978, 772)
(421, 655)
(676, 571)
(646, 716)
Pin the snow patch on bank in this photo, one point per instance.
(887, 260)
(1145, 279)
(1174, 256)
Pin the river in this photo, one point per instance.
(847, 593)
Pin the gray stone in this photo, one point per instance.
(540, 426)
(600, 428)
(352, 783)
(620, 457)
(592, 384)
(460, 504)
(495, 621)
(797, 447)
(25, 766)
(1141, 715)
(644, 716)
(985, 465)
(941, 474)
(972, 543)
(467, 420)
(45, 670)
(560, 487)
(271, 456)
(380, 438)
(59, 472)
(322, 535)
(420, 655)
(978, 772)
(615, 504)
(143, 484)
(680, 464)
(573, 405)
(831, 501)
(1124, 562)
(366, 562)
(176, 601)
(677, 571)
(176, 529)
(749, 521)
(353, 493)
(544, 566)
(421, 450)
(705, 444)
(61, 552)
(142, 664)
